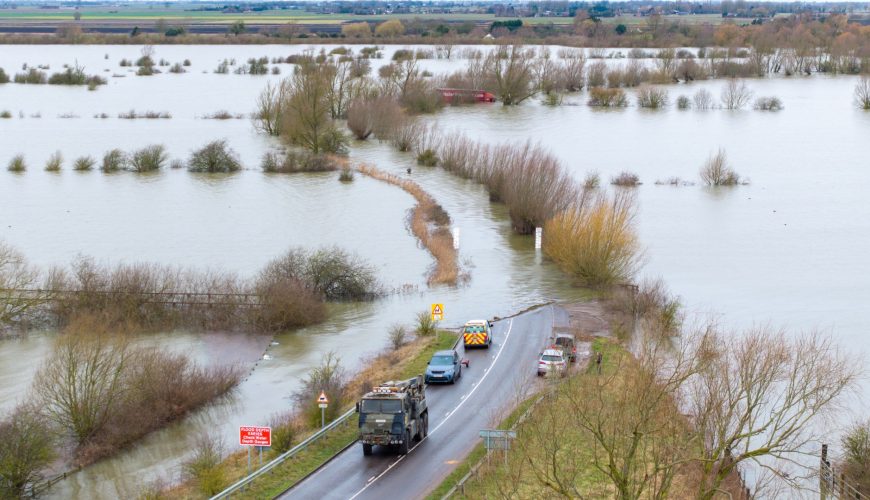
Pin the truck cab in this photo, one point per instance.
(477, 333)
(392, 414)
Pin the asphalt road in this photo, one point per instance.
(494, 383)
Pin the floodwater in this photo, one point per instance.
(789, 249)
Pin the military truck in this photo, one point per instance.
(392, 414)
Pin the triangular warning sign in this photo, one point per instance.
(437, 310)
(322, 398)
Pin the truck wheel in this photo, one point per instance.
(425, 424)
(406, 444)
(367, 449)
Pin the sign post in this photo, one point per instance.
(323, 403)
(495, 439)
(250, 436)
(437, 312)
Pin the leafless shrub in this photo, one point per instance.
(54, 162)
(862, 92)
(768, 104)
(148, 159)
(592, 181)
(596, 74)
(285, 429)
(626, 179)
(594, 240)
(398, 336)
(607, 98)
(270, 102)
(214, 157)
(330, 272)
(652, 97)
(84, 164)
(295, 161)
(17, 164)
(406, 134)
(735, 95)
(330, 378)
(717, 172)
(703, 99)
(360, 119)
(684, 102)
(114, 160)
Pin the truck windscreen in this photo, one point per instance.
(381, 406)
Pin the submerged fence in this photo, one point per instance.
(38, 295)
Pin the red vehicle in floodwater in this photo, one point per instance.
(457, 96)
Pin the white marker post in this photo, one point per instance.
(539, 233)
(323, 403)
(456, 238)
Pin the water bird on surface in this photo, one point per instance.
(409, 170)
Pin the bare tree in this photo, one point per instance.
(759, 398)
(717, 172)
(82, 383)
(736, 94)
(15, 275)
(26, 448)
(267, 118)
(631, 413)
(511, 71)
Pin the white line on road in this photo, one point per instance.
(452, 412)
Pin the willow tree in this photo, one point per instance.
(510, 73)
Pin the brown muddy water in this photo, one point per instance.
(790, 249)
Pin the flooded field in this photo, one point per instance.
(789, 249)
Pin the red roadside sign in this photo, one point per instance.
(255, 436)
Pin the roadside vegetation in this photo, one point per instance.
(676, 417)
(394, 363)
(291, 291)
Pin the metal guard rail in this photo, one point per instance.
(284, 456)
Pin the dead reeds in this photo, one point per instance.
(429, 223)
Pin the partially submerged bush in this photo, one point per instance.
(683, 102)
(17, 164)
(331, 272)
(148, 159)
(736, 94)
(114, 161)
(717, 172)
(652, 97)
(862, 93)
(296, 161)
(592, 181)
(84, 163)
(214, 157)
(106, 393)
(607, 98)
(427, 158)
(32, 76)
(346, 174)
(768, 104)
(703, 99)
(595, 242)
(4, 78)
(626, 179)
(55, 161)
(27, 447)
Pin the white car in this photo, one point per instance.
(552, 361)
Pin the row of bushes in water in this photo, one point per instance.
(290, 291)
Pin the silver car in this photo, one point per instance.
(552, 361)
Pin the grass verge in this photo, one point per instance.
(409, 360)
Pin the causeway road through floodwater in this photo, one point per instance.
(495, 381)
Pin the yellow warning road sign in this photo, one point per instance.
(322, 399)
(437, 312)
